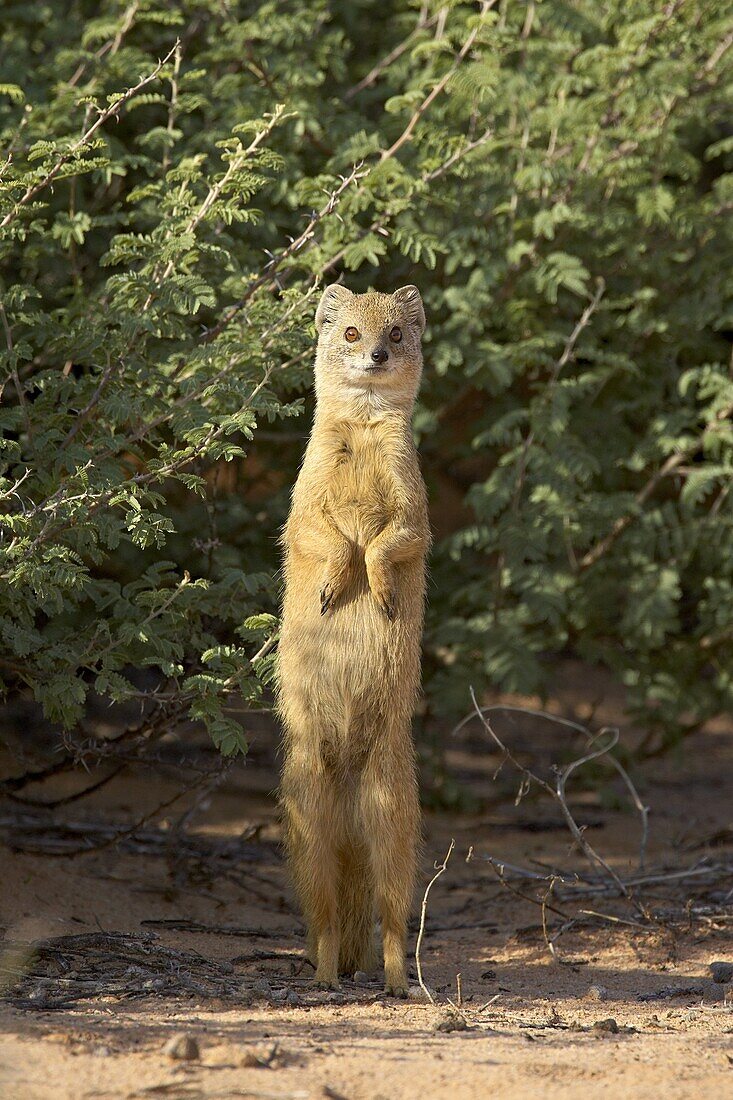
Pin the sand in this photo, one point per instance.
(527, 1020)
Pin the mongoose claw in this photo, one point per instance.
(327, 595)
(326, 984)
(399, 991)
(388, 604)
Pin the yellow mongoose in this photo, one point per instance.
(355, 546)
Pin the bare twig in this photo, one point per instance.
(558, 791)
(634, 794)
(439, 868)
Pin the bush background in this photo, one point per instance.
(177, 182)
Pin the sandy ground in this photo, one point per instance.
(528, 1023)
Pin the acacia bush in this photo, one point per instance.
(178, 179)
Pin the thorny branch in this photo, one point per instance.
(109, 112)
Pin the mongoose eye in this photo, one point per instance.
(395, 335)
(351, 335)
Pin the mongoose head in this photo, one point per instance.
(369, 346)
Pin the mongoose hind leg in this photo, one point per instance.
(309, 805)
(391, 815)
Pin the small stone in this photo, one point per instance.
(488, 975)
(260, 1058)
(101, 1052)
(606, 1027)
(182, 1048)
(262, 988)
(292, 998)
(361, 977)
(597, 993)
(417, 993)
(279, 995)
(722, 972)
(451, 1021)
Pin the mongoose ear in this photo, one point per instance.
(334, 296)
(410, 302)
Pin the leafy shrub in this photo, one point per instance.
(177, 181)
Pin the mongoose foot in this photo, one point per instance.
(396, 991)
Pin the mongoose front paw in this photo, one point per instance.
(327, 594)
(382, 582)
(387, 600)
(389, 605)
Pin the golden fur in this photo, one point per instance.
(349, 655)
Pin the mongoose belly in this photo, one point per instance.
(353, 661)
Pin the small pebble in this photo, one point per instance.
(262, 987)
(722, 972)
(597, 993)
(182, 1048)
(259, 1059)
(292, 997)
(451, 1021)
(417, 993)
(361, 977)
(606, 1027)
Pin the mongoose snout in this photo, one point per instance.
(355, 544)
(379, 355)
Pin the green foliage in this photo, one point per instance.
(177, 180)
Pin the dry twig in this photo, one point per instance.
(439, 868)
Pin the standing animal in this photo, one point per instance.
(349, 654)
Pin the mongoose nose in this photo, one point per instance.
(380, 354)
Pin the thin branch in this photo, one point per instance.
(558, 791)
(565, 357)
(634, 794)
(109, 112)
(14, 371)
(112, 46)
(84, 414)
(373, 75)
(268, 276)
(668, 467)
(439, 868)
(438, 88)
